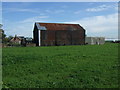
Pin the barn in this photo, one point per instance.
(94, 40)
(57, 34)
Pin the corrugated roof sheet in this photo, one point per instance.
(60, 26)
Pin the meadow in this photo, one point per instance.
(85, 66)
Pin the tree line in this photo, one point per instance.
(3, 36)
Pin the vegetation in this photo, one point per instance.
(5, 40)
(86, 66)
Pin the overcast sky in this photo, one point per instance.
(98, 18)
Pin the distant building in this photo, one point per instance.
(52, 34)
(29, 40)
(22, 41)
(16, 40)
(94, 40)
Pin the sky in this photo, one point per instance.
(60, 0)
(0, 12)
(97, 18)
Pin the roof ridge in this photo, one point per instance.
(55, 23)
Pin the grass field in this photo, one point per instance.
(86, 66)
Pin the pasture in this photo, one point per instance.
(85, 66)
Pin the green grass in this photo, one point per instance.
(86, 66)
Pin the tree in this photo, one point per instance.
(1, 32)
(1, 26)
(2, 35)
(10, 37)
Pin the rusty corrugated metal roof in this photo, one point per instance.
(60, 26)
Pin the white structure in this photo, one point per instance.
(94, 40)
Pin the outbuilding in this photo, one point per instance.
(55, 34)
(94, 40)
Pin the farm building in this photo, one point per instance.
(52, 34)
(23, 41)
(17, 40)
(94, 40)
